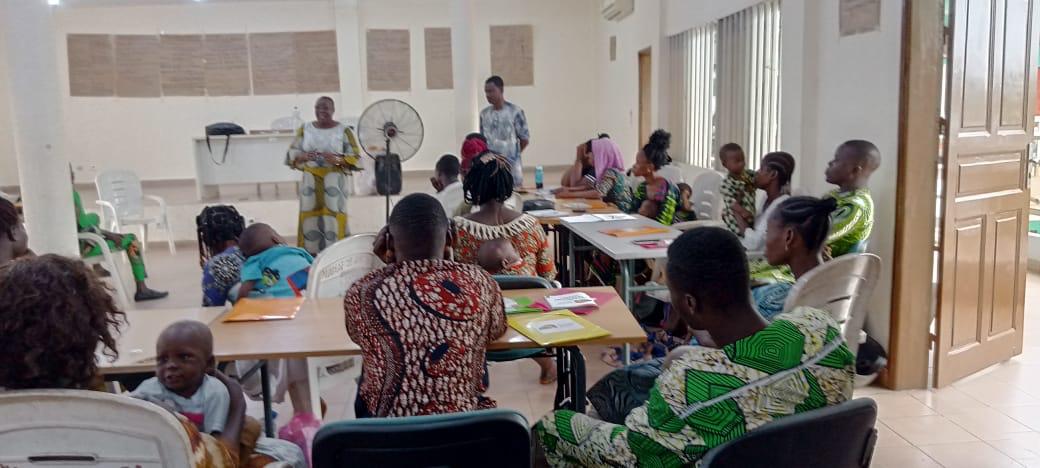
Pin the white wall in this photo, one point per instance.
(619, 80)
(8, 162)
(153, 136)
(842, 88)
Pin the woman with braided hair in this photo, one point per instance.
(488, 184)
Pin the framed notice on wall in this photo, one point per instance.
(182, 66)
(438, 58)
(512, 54)
(92, 65)
(227, 65)
(137, 66)
(859, 16)
(388, 56)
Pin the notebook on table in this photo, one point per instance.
(258, 310)
(555, 327)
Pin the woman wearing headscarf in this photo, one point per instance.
(604, 156)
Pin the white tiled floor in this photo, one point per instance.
(991, 419)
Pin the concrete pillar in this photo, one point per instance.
(43, 166)
(467, 87)
(348, 42)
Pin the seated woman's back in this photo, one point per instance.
(487, 185)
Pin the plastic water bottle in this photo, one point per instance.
(297, 121)
(538, 175)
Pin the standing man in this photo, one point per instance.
(505, 127)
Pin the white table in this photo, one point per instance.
(621, 249)
(251, 159)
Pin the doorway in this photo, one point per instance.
(645, 88)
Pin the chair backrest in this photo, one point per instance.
(123, 190)
(515, 202)
(476, 438)
(706, 198)
(507, 282)
(843, 287)
(86, 428)
(839, 436)
(341, 264)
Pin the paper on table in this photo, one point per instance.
(567, 301)
(254, 310)
(558, 326)
(588, 218)
(520, 305)
(615, 217)
(547, 213)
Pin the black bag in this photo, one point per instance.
(388, 175)
(225, 129)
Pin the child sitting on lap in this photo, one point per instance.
(498, 256)
(184, 359)
(737, 189)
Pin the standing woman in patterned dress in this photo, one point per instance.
(325, 150)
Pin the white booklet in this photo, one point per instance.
(570, 301)
(547, 213)
(615, 217)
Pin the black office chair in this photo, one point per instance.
(497, 437)
(507, 282)
(839, 436)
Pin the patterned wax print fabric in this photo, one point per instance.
(219, 275)
(503, 130)
(91, 222)
(769, 299)
(524, 233)
(666, 196)
(611, 186)
(655, 435)
(423, 328)
(740, 189)
(324, 188)
(851, 222)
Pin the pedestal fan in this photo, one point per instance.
(390, 132)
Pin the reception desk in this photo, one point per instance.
(251, 159)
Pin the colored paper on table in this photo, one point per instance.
(520, 305)
(651, 244)
(615, 217)
(259, 310)
(555, 327)
(635, 231)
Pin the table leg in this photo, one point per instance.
(570, 259)
(626, 294)
(313, 386)
(265, 388)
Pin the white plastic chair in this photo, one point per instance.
(843, 287)
(107, 261)
(82, 428)
(122, 202)
(333, 272)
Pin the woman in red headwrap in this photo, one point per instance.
(473, 145)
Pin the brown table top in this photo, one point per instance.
(595, 207)
(319, 330)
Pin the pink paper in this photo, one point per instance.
(599, 297)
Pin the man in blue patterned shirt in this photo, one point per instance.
(504, 125)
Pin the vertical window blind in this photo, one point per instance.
(725, 85)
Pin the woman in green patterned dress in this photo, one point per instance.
(717, 391)
(655, 197)
(325, 151)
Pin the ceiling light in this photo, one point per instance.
(54, 2)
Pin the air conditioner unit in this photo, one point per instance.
(617, 10)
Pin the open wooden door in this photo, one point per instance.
(645, 84)
(982, 264)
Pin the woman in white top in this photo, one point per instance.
(325, 151)
(773, 178)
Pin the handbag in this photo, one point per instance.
(225, 129)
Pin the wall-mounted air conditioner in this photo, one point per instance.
(617, 10)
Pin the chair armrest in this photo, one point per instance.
(688, 225)
(108, 209)
(94, 238)
(159, 200)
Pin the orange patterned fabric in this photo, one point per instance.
(206, 450)
(524, 232)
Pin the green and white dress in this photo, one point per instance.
(655, 434)
(851, 222)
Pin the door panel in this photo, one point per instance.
(985, 202)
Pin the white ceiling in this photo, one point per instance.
(108, 3)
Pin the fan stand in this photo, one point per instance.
(389, 132)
